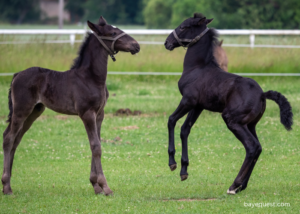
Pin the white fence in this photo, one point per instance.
(72, 33)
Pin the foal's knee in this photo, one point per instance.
(185, 131)
(96, 149)
(254, 150)
(171, 122)
(7, 144)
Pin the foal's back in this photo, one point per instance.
(39, 85)
(213, 89)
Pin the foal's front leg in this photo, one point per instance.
(183, 108)
(93, 175)
(185, 131)
(89, 120)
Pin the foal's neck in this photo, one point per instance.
(199, 55)
(95, 59)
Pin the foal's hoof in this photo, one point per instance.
(183, 177)
(235, 191)
(107, 191)
(98, 190)
(173, 167)
(7, 191)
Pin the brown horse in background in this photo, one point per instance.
(220, 56)
(80, 91)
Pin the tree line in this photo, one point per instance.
(227, 14)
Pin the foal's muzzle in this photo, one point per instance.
(169, 46)
(134, 48)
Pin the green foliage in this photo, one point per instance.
(115, 11)
(19, 11)
(158, 13)
(257, 14)
(182, 10)
(228, 14)
(76, 9)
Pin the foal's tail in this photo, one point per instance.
(286, 114)
(10, 104)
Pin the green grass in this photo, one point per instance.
(15, 58)
(52, 164)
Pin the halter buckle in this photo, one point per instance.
(112, 57)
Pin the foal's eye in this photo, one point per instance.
(182, 28)
(113, 34)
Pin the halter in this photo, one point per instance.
(111, 51)
(191, 41)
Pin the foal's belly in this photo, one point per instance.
(216, 108)
(63, 107)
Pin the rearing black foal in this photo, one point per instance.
(80, 91)
(204, 85)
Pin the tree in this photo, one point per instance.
(76, 9)
(158, 13)
(19, 11)
(184, 9)
(115, 11)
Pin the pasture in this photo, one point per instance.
(52, 164)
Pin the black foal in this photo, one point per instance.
(79, 91)
(205, 86)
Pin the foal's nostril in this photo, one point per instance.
(136, 46)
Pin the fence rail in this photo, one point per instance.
(72, 34)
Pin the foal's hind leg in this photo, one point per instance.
(252, 147)
(15, 127)
(37, 111)
(185, 131)
(184, 107)
(93, 175)
(251, 128)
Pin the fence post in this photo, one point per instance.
(72, 39)
(252, 40)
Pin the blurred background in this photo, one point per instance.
(228, 14)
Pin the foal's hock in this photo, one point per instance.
(80, 91)
(205, 86)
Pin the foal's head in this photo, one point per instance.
(187, 31)
(125, 43)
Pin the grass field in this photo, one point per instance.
(151, 58)
(52, 164)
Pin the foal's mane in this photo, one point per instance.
(213, 37)
(77, 61)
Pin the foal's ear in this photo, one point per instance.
(94, 28)
(220, 43)
(204, 21)
(201, 21)
(102, 21)
(208, 21)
